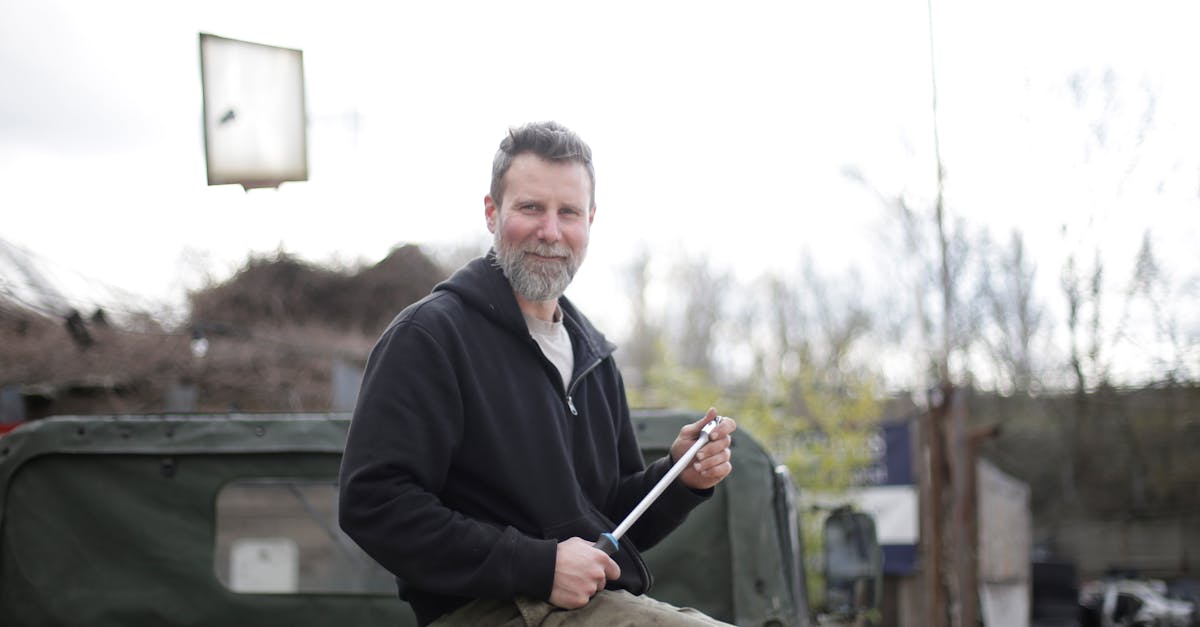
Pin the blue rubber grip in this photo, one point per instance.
(607, 543)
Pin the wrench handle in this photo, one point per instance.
(607, 543)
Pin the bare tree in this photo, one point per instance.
(1151, 293)
(816, 327)
(937, 257)
(643, 346)
(1012, 311)
(1148, 320)
(701, 292)
(1084, 290)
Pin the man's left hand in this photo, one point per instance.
(713, 461)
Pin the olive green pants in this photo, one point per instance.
(609, 608)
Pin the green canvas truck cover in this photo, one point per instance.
(229, 520)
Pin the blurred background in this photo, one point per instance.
(826, 218)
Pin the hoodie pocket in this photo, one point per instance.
(635, 575)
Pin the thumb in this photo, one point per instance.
(695, 427)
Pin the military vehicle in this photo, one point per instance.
(230, 520)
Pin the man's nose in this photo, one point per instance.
(549, 230)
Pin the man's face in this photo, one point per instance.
(541, 227)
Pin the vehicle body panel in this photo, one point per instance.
(113, 520)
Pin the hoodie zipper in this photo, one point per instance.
(575, 383)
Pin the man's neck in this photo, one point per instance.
(540, 309)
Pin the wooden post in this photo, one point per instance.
(966, 574)
(933, 481)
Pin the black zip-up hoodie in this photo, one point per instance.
(467, 462)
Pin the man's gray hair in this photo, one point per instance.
(548, 140)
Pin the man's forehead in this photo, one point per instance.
(530, 160)
(541, 172)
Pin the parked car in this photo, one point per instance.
(1125, 602)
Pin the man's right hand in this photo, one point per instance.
(580, 572)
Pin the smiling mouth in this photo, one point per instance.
(545, 257)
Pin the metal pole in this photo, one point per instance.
(610, 542)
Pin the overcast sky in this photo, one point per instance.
(718, 128)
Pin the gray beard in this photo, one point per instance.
(537, 281)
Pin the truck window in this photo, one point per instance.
(280, 536)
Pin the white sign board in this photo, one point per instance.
(264, 565)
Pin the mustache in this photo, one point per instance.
(548, 250)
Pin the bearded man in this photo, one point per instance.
(492, 442)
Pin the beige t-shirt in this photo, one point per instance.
(555, 343)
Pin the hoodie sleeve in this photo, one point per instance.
(671, 508)
(405, 429)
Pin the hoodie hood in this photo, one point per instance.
(481, 285)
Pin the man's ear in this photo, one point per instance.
(591, 215)
(491, 212)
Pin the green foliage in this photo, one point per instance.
(823, 432)
(825, 448)
(668, 384)
(821, 425)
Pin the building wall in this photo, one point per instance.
(1163, 547)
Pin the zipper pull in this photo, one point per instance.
(571, 406)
